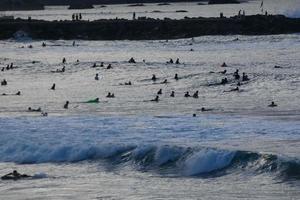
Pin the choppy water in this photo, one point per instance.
(130, 148)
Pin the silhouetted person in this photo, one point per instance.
(196, 94)
(172, 94)
(131, 60)
(159, 92)
(236, 74)
(156, 99)
(177, 61)
(171, 61)
(64, 60)
(187, 94)
(53, 86)
(4, 82)
(97, 77)
(18, 93)
(224, 64)
(176, 77)
(44, 44)
(66, 106)
(94, 65)
(153, 77)
(102, 64)
(109, 66)
(224, 81)
(272, 104)
(245, 77)
(133, 16)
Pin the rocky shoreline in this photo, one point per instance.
(149, 29)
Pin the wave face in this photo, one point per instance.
(165, 159)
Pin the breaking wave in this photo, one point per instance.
(164, 159)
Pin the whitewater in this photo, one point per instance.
(130, 147)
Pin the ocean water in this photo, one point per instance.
(129, 147)
(289, 8)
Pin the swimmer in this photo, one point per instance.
(245, 77)
(109, 66)
(97, 77)
(18, 93)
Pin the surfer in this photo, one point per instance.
(18, 93)
(153, 77)
(196, 94)
(233, 90)
(187, 94)
(64, 60)
(245, 77)
(131, 60)
(109, 66)
(172, 94)
(176, 77)
(15, 175)
(156, 99)
(4, 82)
(159, 92)
(53, 87)
(272, 104)
(66, 106)
(177, 61)
(236, 74)
(224, 81)
(224, 64)
(97, 77)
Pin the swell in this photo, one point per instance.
(163, 159)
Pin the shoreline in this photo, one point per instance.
(148, 28)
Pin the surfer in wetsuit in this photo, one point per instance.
(14, 175)
(93, 101)
(156, 99)
(97, 77)
(195, 95)
(187, 94)
(53, 87)
(153, 77)
(172, 94)
(272, 104)
(159, 92)
(66, 106)
(176, 77)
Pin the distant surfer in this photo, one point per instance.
(131, 60)
(272, 104)
(156, 99)
(172, 94)
(224, 65)
(15, 175)
(153, 77)
(97, 77)
(66, 106)
(159, 92)
(187, 94)
(53, 87)
(177, 61)
(34, 110)
(196, 94)
(93, 101)
(176, 77)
